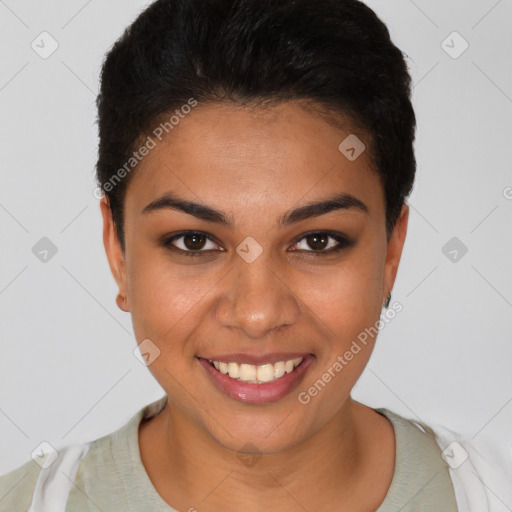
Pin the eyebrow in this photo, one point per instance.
(340, 201)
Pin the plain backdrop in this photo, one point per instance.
(67, 369)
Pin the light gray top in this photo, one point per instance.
(112, 477)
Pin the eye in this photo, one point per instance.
(190, 243)
(195, 243)
(319, 242)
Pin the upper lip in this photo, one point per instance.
(254, 359)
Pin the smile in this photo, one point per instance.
(261, 383)
(256, 374)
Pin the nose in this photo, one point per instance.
(257, 299)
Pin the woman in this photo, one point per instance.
(255, 158)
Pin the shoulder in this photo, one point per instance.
(416, 440)
(480, 467)
(98, 464)
(47, 478)
(422, 479)
(17, 487)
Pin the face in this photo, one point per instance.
(252, 273)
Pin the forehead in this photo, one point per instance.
(253, 158)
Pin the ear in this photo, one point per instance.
(394, 253)
(115, 255)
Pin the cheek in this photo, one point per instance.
(347, 305)
(163, 297)
(347, 297)
(346, 308)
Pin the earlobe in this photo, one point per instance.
(122, 303)
(114, 253)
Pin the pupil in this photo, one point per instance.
(197, 239)
(315, 244)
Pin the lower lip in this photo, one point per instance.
(264, 393)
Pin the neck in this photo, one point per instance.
(191, 470)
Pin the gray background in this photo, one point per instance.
(67, 369)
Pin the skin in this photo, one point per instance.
(254, 165)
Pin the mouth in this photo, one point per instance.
(257, 383)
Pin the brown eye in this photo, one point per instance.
(323, 243)
(194, 242)
(190, 243)
(317, 241)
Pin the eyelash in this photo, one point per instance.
(343, 243)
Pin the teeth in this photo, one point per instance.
(234, 370)
(279, 369)
(257, 374)
(265, 373)
(247, 372)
